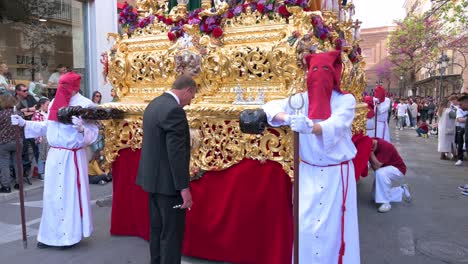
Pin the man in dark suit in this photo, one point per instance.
(164, 169)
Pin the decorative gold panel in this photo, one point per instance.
(256, 52)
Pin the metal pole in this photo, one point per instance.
(440, 86)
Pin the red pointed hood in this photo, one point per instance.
(379, 93)
(370, 106)
(68, 83)
(323, 76)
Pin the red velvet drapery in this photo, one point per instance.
(241, 215)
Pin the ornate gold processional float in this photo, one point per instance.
(242, 54)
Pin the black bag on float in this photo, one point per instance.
(253, 121)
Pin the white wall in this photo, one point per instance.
(102, 19)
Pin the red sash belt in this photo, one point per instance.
(343, 205)
(75, 159)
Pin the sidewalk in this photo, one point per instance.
(37, 186)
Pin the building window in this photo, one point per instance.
(37, 36)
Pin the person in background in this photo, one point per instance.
(96, 97)
(7, 141)
(370, 123)
(37, 88)
(389, 169)
(402, 107)
(115, 97)
(453, 115)
(422, 129)
(413, 109)
(431, 110)
(424, 109)
(4, 81)
(462, 113)
(383, 106)
(96, 172)
(55, 76)
(41, 114)
(446, 129)
(27, 105)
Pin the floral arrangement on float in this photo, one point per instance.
(129, 21)
(211, 22)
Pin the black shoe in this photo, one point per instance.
(28, 181)
(16, 186)
(68, 247)
(41, 245)
(5, 190)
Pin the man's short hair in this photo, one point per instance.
(184, 81)
(18, 86)
(463, 97)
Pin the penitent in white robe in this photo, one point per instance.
(61, 222)
(446, 131)
(383, 131)
(320, 190)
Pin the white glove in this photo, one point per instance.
(17, 120)
(301, 124)
(287, 120)
(78, 123)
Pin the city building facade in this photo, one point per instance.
(38, 36)
(374, 47)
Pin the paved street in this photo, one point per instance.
(431, 230)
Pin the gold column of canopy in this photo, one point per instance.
(260, 55)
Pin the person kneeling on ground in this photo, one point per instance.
(422, 129)
(96, 173)
(389, 169)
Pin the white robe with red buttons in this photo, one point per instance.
(61, 222)
(320, 191)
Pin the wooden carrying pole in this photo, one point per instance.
(296, 197)
(19, 165)
(375, 119)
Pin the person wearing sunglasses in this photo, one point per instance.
(96, 98)
(27, 105)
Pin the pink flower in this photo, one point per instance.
(217, 32)
(261, 8)
(323, 36)
(283, 11)
(171, 36)
(168, 21)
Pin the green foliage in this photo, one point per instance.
(454, 15)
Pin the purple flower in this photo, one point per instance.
(203, 27)
(194, 21)
(210, 20)
(237, 10)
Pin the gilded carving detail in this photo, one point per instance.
(254, 54)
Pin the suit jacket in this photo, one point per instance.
(165, 154)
